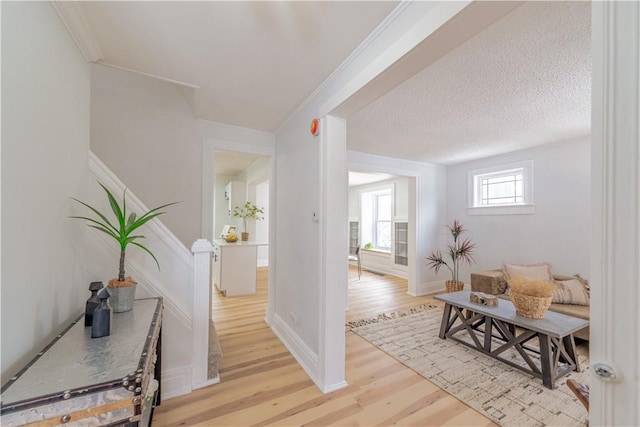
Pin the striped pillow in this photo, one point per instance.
(570, 292)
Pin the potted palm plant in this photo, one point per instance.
(123, 287)
(458, 251)
(246, 212)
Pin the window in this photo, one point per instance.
(504, 189)
(376, 218)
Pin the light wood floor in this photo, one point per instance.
(262, 384)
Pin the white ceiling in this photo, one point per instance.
(254, 62)
(231, 163)
(524, 81)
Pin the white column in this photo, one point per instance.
(615, 265)
(201, 249)
(334, 253)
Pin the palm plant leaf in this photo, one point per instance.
(114, 205)
(104, 230)
(104, 218)
(147, 251)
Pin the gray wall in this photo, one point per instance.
(153, 123)
(559, 230)
(45, 141)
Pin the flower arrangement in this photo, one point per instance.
(459, 251)
(246, 212)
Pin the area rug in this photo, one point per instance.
(388, 316)
(504, 394)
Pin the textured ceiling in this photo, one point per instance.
(254, 62)
(524, 81)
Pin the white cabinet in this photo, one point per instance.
(235, 267)
(234, 193)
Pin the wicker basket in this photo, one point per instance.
(452, 286)
(528, 306)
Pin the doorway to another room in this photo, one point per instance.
(240, 269)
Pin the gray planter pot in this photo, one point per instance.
(122, 298)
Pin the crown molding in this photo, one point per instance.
(73, 19)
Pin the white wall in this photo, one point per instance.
(557, 232)
(45, 142)
(152, 121)
(221, 215)
(262, 227)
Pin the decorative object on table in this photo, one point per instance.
(123, 288)
(92, 303)
(484, 299)
(101, 325)
(530, 297)
(246, 212)
(231, 238)
(459, 251)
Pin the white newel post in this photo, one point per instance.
(201, 249)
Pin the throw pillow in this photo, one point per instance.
(540, 271)
(570, 292)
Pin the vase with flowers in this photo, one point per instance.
(459, 251)
(246, 212)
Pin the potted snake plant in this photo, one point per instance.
(123, 287)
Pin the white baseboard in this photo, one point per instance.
(429, 288)
(298, 349)
(176, 382)
(334, 387)
(209, 382)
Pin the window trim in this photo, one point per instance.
(474, 192)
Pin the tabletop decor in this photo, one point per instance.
(123, 287)
(531, 297)
(92, 303)
(246, 212)
(459, 251)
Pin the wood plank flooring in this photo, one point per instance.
(262, 384)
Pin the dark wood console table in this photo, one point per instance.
(557, 351)
(79, 380)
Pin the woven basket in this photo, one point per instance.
(452, 286)
(528, 306)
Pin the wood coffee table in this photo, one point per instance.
(554, 332)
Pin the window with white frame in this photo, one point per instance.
(376, 218)
(502, 189)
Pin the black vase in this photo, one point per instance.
(92, 303)
(101, 325)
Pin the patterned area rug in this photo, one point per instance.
(504, 394)
(388, 316)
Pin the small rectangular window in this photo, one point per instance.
(503, 189)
